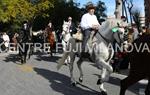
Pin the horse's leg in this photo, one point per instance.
(130, 80)
(68, 60)
(64, 44)
(25, 53)
(22, 61)
(30, 53)
(62, 60)
(24, 58)
(51, 51)
(21, 56)
(80, 69)
(101, 62)
(106, 71)
(72, 58)
(147, 91)
(104, 78)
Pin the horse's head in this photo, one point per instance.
(114, 30)
(65, 27)
(120, 34)
(66, 33)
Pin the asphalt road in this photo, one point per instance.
(40, 77)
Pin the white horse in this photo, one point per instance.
(100, 52)
(65, 38)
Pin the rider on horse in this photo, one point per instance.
(24, 33)
(89, 23)
(72, 28)
(50, 36)
(23, 40)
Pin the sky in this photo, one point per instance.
(110, 4)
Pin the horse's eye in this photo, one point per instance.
(121, 33)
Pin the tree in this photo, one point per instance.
(130, 6)
(17, 11)
(136, 18)
(147, 13)
(100, 11)
(62, 10)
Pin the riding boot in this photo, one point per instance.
(84, 55)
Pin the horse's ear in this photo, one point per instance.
(118, 24)
(64, 21)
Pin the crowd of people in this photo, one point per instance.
(82, 32)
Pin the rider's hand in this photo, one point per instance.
(95, 27)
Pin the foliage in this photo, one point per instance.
(39, 12)
(17, 11)
(100, 11)
(136, 18)
(62, 10)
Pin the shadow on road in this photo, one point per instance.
(134, 88)
(46, 58)
(12, 58)
(61, 83)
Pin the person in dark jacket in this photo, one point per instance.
(72, 27)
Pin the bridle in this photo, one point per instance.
(107, 40)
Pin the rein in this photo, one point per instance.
(108, 41)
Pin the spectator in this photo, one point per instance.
(6, 40)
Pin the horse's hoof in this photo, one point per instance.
(22, 61)
(51, 54)
(74, 84)
(99, 82)
(80, 79)
(103, 93)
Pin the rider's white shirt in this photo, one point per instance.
(88, 20)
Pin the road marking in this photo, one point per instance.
(26, 68)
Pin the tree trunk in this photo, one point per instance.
(118, 9)
(147, 12)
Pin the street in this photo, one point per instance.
(40, 77)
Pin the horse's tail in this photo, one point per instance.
(71, 44)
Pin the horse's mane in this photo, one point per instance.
(106, 26)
